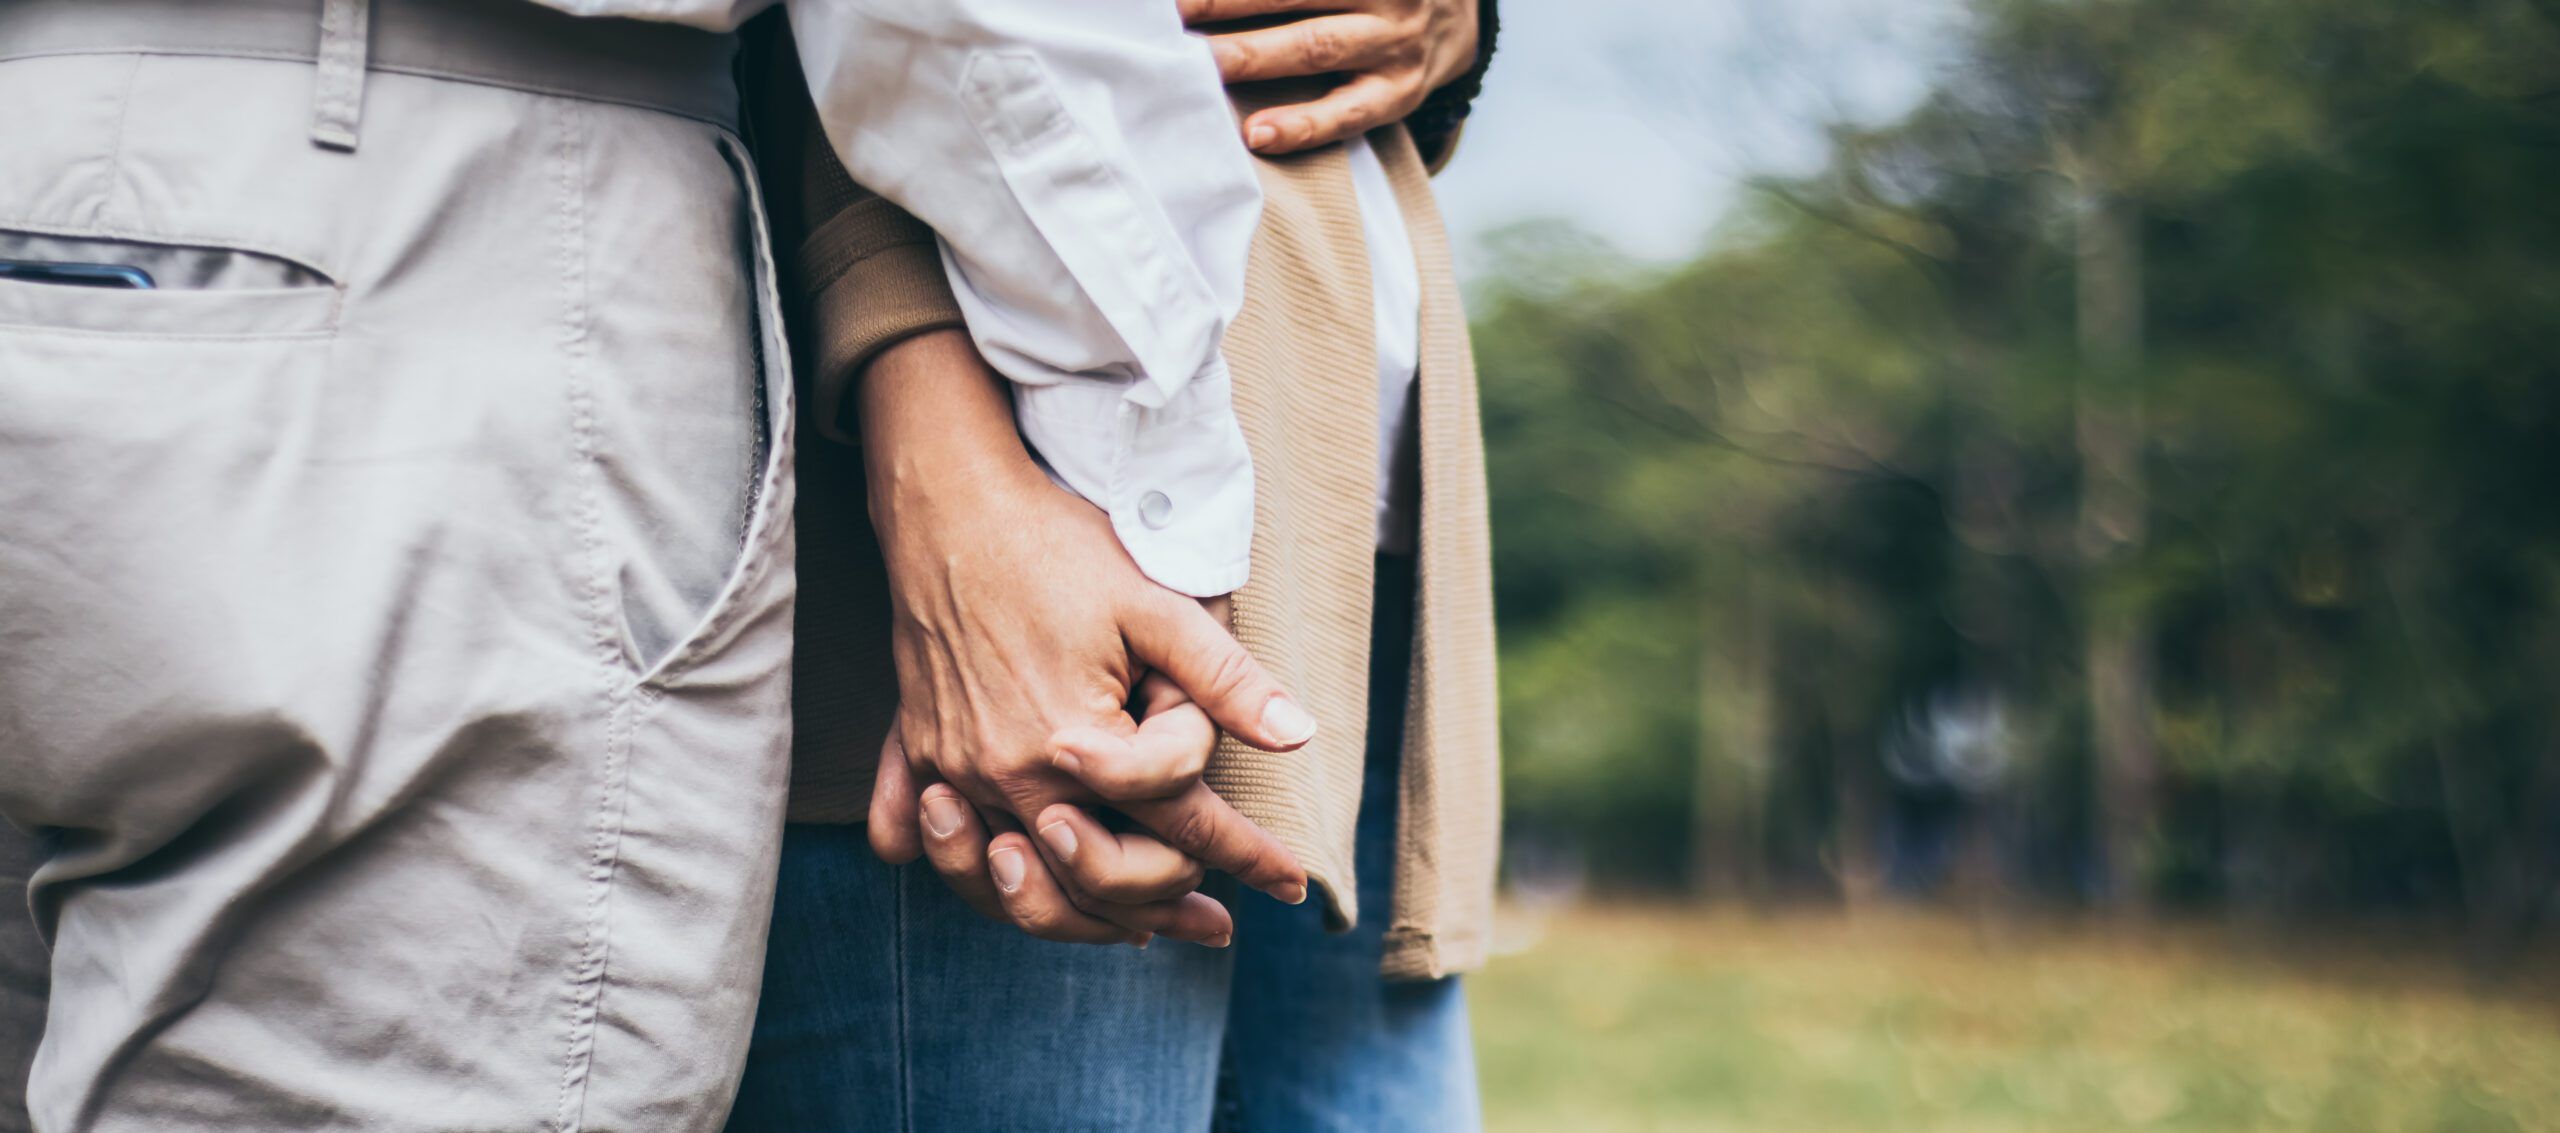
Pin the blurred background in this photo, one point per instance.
(2028, 545)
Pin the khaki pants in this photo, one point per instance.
(395, 602)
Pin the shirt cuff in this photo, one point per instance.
(873, 277)
(1176, 480)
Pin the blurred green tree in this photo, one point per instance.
(2128, 478)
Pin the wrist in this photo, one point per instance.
(938, 435)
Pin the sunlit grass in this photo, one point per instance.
(1666, 1020)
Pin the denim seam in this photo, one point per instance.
(1226, 1107)
(898, 961)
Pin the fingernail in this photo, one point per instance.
(1259, 134)
(942, 815)
(1219, 941)
(1291, 894)
(1008, 869)
(1286, 722)
(1061, 838)
(1142, 940)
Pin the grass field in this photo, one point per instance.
(1634, 1019)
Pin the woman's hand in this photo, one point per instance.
(1021, 631)
(1085, 881)
(1388, 53)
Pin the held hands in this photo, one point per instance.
(1388, 54)
(1041, 673)
(1085, 882)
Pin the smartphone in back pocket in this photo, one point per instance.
(122, 277)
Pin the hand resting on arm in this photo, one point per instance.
(1040, 672)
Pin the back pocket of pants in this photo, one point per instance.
(196, 291)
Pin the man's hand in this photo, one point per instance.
(1021, 628)
(1388, 54)
(1113, 878)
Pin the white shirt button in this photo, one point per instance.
(1155, 509)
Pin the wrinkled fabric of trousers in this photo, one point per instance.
(394, 607)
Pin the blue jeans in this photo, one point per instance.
(890, 1005)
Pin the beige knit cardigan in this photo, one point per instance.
(1303, 354)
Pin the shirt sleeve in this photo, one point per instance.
(1095, 209)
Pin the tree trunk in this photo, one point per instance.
(1730, 795)
(2112, 528)
(1983, 510)
(1848, 739)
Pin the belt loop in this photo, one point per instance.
(337, 99)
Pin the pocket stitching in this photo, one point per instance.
(324, 327)
(769, 523)
(327, 326)
(211, 242)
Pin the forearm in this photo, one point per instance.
(1020, 632)
(937, 433)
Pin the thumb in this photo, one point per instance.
(1177, 638)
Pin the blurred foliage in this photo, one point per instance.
(1807, 551)
(1628, 1020)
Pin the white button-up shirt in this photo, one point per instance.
(1082, 167)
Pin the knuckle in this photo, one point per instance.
(1407, 48)
(1014, 777)
(1084, 903)
(1011, 761)
(1065, 763)
(1241, 54)
(1105, 696)
(1193, 831)
(1322, 47)
(969, 784)
(1229, 671)
(1041, 920)
(922, 752)
(1249, 860)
